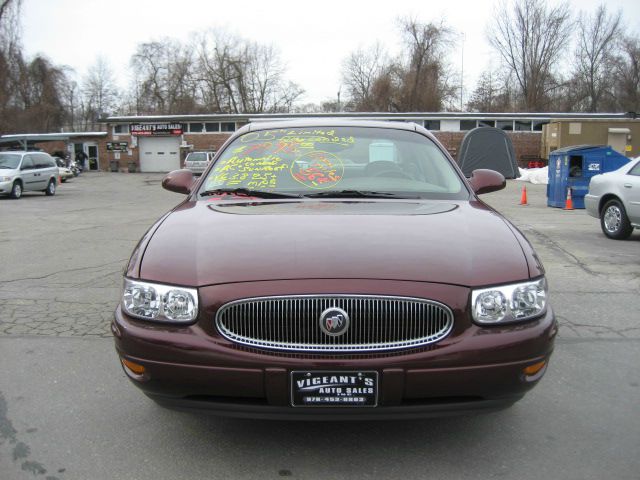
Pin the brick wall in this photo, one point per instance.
(106, 157)
(50, 147)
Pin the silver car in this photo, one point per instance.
(27, 171)
(197, 162)
(614, 198)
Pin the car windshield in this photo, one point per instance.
(340, 162)
(9, 160)
(197, 157)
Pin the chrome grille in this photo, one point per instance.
(293, 322)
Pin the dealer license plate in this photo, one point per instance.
(334, 388)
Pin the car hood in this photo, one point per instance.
(204, 243)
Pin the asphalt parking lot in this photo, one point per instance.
(68, 412)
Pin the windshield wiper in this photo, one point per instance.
(356, 194)
(247, 192)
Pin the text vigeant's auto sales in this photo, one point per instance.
(152, 129)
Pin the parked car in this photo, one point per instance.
(64, 172)
(332, 269)
(27, 171)
(197, 162)
(614, 198)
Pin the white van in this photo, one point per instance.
(27, 171)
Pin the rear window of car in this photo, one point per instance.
(197, 157)
(307, 160)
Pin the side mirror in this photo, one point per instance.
(179, 181)
(485, 181)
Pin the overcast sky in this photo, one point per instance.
(313, 37)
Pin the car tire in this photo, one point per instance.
(16, 190)
(614, 221)
(51, 188)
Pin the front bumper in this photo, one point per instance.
(474, 369)
(5, 187)
(196, 169)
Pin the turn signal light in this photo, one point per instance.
(535, 368)
(134, 367)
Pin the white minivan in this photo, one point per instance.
(197, 162)
(27, 171)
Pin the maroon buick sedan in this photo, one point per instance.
(333, 269)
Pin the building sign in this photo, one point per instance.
(117, 146)
(155, 129)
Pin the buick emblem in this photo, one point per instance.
(334, 321)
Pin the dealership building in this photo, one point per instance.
(160, 143)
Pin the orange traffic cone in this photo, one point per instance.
(568, 205)
(523, 198)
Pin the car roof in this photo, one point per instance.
(327, 122)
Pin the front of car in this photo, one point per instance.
(334, 270)
(64, 172)
(10, 173)
(614, 199)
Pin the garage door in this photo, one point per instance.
(159, 154)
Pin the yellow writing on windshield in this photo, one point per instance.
(260, 172)
(305, 138)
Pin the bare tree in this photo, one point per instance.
(627, 75)
(238, 76)
(530, 37)
(9, 50)
(417, 80)
(598, 38)
(99, 92)
(360, 70)
(426, 85)
(493, 93)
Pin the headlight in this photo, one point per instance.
(162, 303)
(6, 179)
(509, 303)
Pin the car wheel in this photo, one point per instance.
(16, 190)
(614, 221)
(51, 188)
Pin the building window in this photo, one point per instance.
(468, 124)
(432, 124)
(504, 124)
(196, 127)
(486, 123)
(228, 127)
(121, 129)
(537, 126)
(212, 127)
(523, 125)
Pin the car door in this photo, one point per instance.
(41, 168)
(27, 173)
(631, 192)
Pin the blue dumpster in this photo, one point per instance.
(573, 167)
